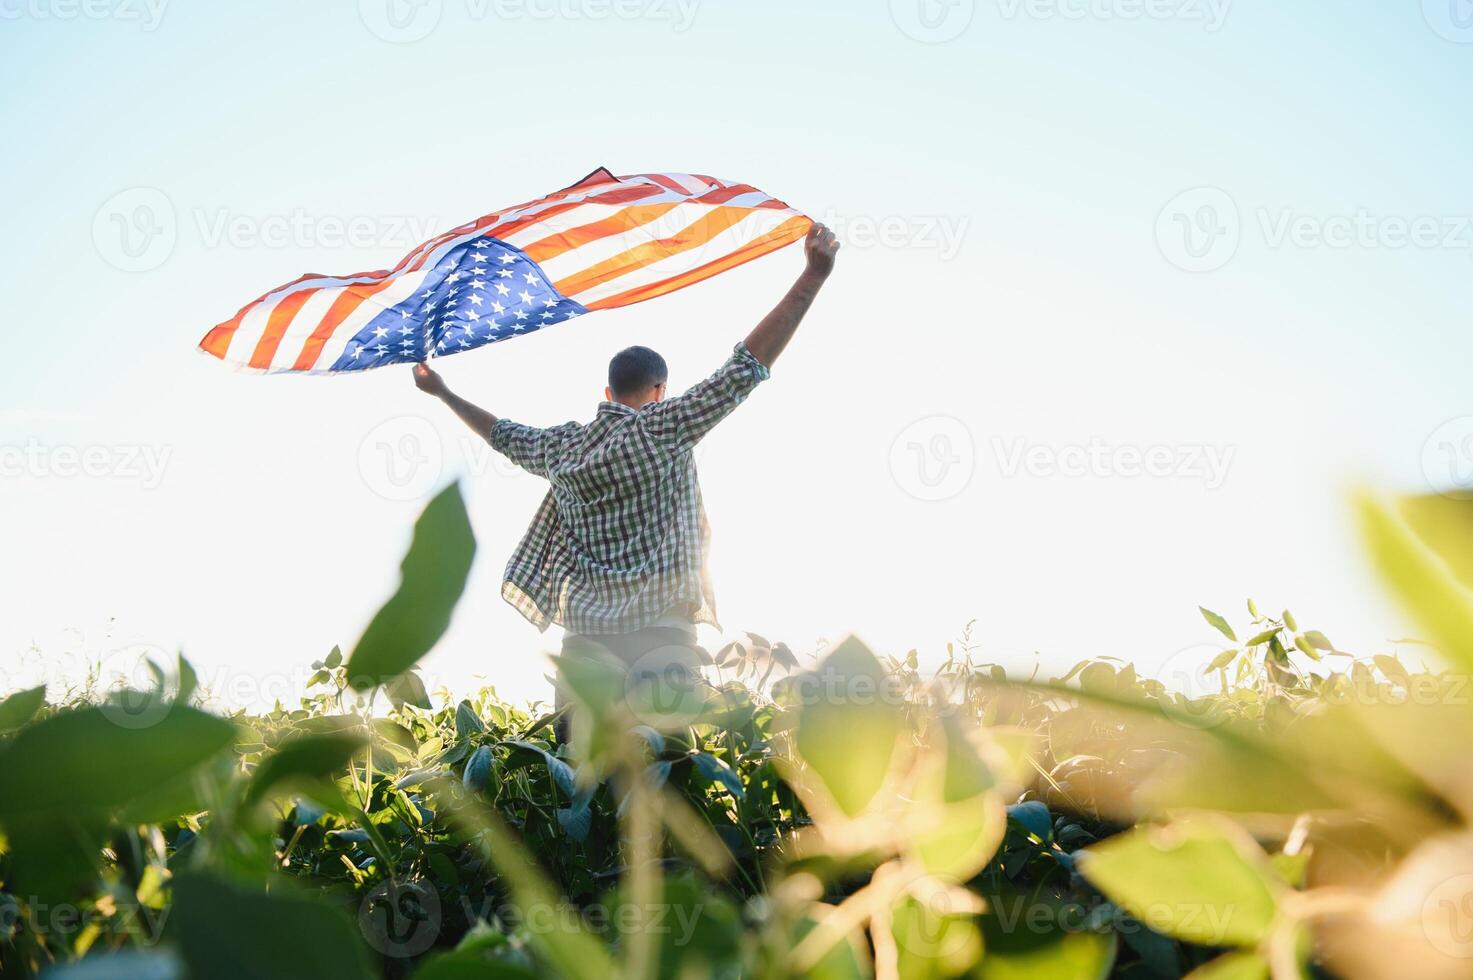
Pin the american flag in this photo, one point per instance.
(604, 242)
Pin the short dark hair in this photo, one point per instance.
(636, 369)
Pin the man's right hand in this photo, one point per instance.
(429, 381)
(821, 246)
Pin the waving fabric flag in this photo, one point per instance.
(604, 242)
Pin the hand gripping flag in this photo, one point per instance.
(604, 242)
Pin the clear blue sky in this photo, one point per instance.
(1034, 168)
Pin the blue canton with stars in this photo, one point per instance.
(480, 292)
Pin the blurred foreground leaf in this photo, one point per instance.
(434, 575)
(1198, 880)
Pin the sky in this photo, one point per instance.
(1132, 294)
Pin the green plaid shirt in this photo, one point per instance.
(621, 538)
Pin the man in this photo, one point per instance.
(617, 552)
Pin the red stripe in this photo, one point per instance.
(341, 307)
(276, 325)
(789, 231)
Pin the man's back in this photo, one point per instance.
(619, 544)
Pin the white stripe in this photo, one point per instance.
(337, 344)
(243, 342)
(754, 225)
(574, 261)
(301, 327)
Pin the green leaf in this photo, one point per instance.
(21, 707)
(718, 771)
(303, 759)
(1393, 670)
(1033, 816)
(470, 966)
(1199, 880)
(477, 769)
(1263, 637)
(228, 932)
(1220, 661)
(334, 658)
(1232, 966)
(1289, 621)
(1419, 576)
(467, 722)
(1218, 623)
(848, 725)
(1318, 640)
(126, 965)
(434, 574)
(84, 761)
(1034, 938)
(408, 688)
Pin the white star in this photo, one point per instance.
(549, 302)
(505, 258)
(477, 284)
(520, 315)
(526, 297)
(481, 244)
(478, 258)
(502, 290)
(476, 299)
(504, 273)
(498, 307)
(547, 316)
(453, 276)
(531, 278)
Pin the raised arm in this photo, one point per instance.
(768, 338)
(428, 380)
